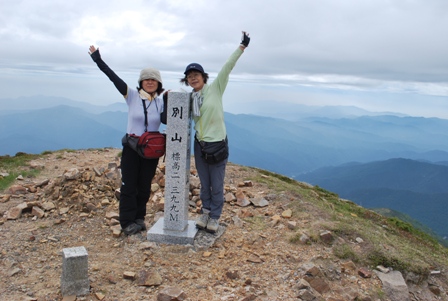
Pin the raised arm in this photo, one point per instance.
(121, 86)
(223, 75)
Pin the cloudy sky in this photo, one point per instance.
(379, 55)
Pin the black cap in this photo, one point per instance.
(194, 66)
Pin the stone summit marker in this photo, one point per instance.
(175, 228)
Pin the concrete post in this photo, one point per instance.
(75, 277)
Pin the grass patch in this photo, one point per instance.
(409, 228)
(313, 237)
(345, 251)
(380, 257)
(278, 176)
(15, 166)
(256, 222)
(279, 183)
(295, 238)
(390, 244)
(401, 225)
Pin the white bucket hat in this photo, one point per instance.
(150, 73)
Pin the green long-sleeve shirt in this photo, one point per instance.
(210, 125)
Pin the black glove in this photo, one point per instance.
(95, 55)
(245, 39)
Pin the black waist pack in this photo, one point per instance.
(214, 152)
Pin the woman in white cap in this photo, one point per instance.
(210, 147)
(137, 172)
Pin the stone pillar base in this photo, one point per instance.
(157, 233)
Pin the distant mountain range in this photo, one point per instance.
(418, 189)
(58, 128)
(348, 142)
(10, 106)
(286, 111)
(288, 147)
(295, 112)
(292, 148)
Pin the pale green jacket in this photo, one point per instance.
(210, 125)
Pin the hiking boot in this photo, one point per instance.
(212, 225)
(131, 229)
(202, 221)
(141, 223)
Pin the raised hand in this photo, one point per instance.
(245, 39)
(92, 49)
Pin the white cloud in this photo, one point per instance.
(371, 46)
(128, 29)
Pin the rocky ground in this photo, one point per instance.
(73, 202)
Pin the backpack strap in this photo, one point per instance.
(146, 114)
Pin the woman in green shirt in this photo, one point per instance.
(208, 115)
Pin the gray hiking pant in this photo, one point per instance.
(212, 183)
